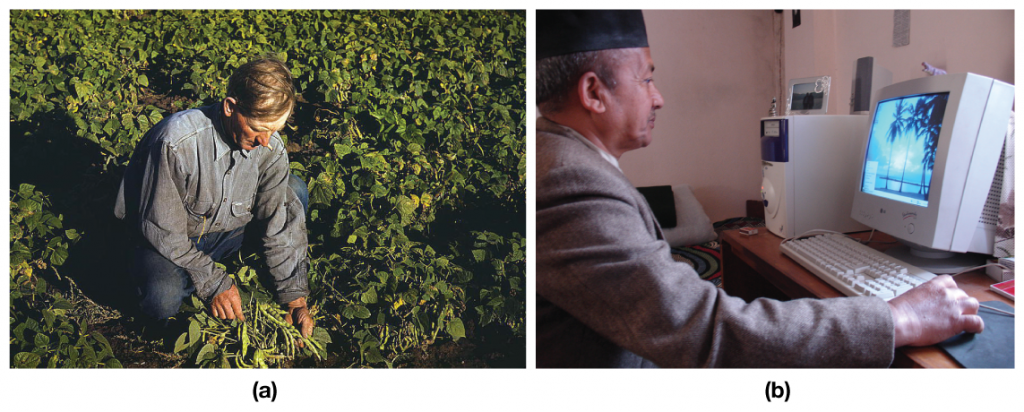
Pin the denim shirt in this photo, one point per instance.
(186, 180)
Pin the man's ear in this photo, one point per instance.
(592, 93)
(230, 106)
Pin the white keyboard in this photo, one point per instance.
(853, 268)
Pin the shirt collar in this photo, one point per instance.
(571, 132)
(222, 146)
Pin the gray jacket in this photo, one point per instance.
(186, 180)
(609, 293)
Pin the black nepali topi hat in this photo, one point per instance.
(572, 31)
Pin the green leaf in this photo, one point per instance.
(88, 358)
(480, 255)
(48, 318)
(362, 312)
(102, 340)
(60, 303)
(40, 286)
(373, 355)
(342, 150)
(83, 89)
(369, 297)
(26, 190)
(59, 256)
(20, 253)
(423, 320)
(321, 335)
(193, 332)
(406, 206)
(143, 80)
(456, 329)
(319, 190)
(26, 360)
(206, 353)
(180, 345)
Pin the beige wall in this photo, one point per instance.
(830, 42)
(717, 71)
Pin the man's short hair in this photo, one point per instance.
(557, 76)
(263, 88)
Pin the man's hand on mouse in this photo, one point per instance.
(934, 312)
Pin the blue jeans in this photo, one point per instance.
(162, 285)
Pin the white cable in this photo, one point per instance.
(997, 310)
(985, 266)
(877, 241)
(979, 267)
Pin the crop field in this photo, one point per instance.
(410, 134)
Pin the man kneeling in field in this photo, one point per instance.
(194, 183)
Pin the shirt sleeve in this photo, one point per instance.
(163, 221)
(280, 213)
(599, 262)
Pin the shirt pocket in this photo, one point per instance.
(242, 212)
(199, 213)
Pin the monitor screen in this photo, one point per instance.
(901, 149)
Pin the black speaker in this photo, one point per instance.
(868, 79)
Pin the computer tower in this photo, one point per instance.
(810, 167)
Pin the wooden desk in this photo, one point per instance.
(753, 267)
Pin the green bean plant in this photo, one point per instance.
(262, 340)
(43, 330)
(409, 131)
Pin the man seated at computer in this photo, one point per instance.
(608, 292)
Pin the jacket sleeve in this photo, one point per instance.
(163, 220)
(280, 213)
(598, 261)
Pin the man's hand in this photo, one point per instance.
(298, 315)
(934, 312)
(227, 305)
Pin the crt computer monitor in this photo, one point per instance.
(929, 167)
